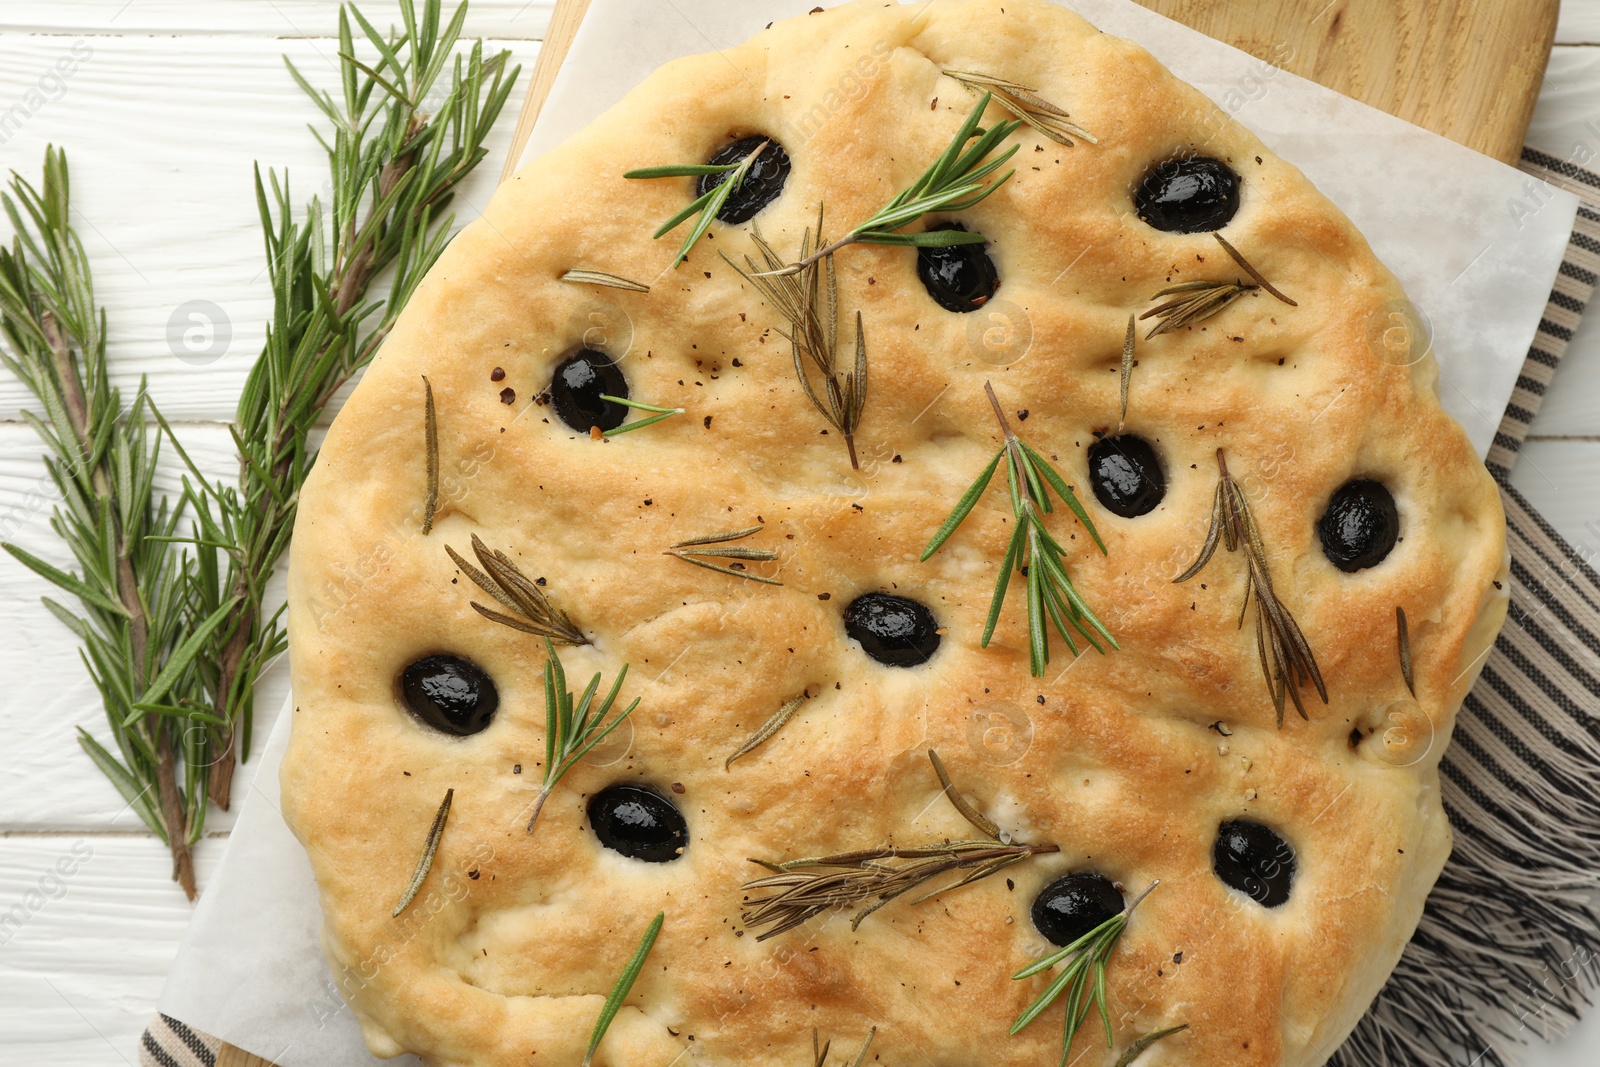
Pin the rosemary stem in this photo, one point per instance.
(538, 806)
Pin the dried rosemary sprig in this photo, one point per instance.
(1025, 103)
(624, 985)
(430, 432)
(819, 1053)
(572, 728)
(768, 729)
(425, 862)
(1196, 301)
(1287, 662)
(808, 298)
(699, 551)
(802, 889)
(597, 277)
(708, 204)
(1127, 371)
(660, 413)
(501, 579)
(956, 181)
(1083, 980)
(1403, 638)
(1144, 1041)
(1033, 552)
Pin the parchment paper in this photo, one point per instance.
(1475, 244)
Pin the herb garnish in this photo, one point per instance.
(768, 728)
(1025, 103)
(425, 863)
(1403, 638)
(706, 205)
(1127, 371)
(1199, 300)
(597, 277)
(501, 579)
(819, 1054)
(660, 413)
(430, 432)
(1033, 552)
(1133, 1051)
(698, 550)
(809, 299)
(806, 888)
(1083, 980)
(571, 728)
(1287, 662)
(624, 985)
(953, 182)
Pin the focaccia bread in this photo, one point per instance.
(1266, 426)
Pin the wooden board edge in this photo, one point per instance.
(564, 20)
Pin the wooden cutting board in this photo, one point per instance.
(1469, 70)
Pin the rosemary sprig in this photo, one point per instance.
(956, 181)
(802, 889)
(709, 203)
(699, 551)
(394, 169)
(1144, 1041)
(134, 586)
(1287, 662)
(1403, 639)
(1127, 372)
(624, 985)
(1083, 980)
(1032, 552)
(809, 300)
(819, 1053)
(768, 728)
(1026, 104)
(425, 861)
(502, 579)
(572, 728)
(660, 413)
(1196, 301)
(430, 432)
(598, 277)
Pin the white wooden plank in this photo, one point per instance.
(524, 19)
(48, 781)
(1561, 479)
(1579, 22)
(161, 133)
(89, 926)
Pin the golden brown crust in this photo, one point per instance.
(514, 940)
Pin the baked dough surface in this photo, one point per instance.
(508, 951)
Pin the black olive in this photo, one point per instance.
(1070, 907)
(1126, 475)
(450, 694)
(958, 277)
(1360, 526)
(579, 382)
(639, 823)
(892, 629)
(1191, 194)
(762, 183)
(1254, 860)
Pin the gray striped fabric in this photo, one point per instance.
(1508, 950)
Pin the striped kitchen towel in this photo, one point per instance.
(1508, 950)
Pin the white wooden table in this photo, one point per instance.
(162, 116)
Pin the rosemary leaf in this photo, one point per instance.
(572, 728)
(768, 728)
(819, 1055)
(661, 413)
(1403, 636)
(719, 538)
(1024, 102)
(1127, 371)
(1244, 265)
(707, 205)
(596, 277)
(696, 550)
(1196, 302)
(501, 579)
(1135, 1050)
(960, 803)
(430, 420)
(624, 986)
(425, 862)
